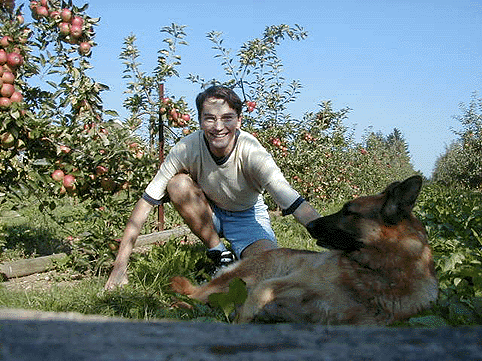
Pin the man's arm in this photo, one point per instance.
(118, 276)
(305, 213)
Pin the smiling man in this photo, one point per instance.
(215, 178)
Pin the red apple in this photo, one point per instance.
(5, 103)
(8, 77)
(16, 97)
(20, 19)
(55, 14)
(7, 139)
(23, 38)
(58, 175)
(64, 149)
(14, 59)
(7, 90)
(3, 56)
(186, 117)
(133, 145)
(64, 28)
(5, 41)
(84, 48)
(44, 3)
(77, 21)
(174, 114)
(69, 181)
(100, 170)
(41, 11)
(76, 31)
(66, 15)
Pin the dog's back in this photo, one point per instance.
(380, 268)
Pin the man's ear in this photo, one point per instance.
(240, 119)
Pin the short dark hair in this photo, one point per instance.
(219, 92)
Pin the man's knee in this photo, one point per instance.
(257, 247)
(181, 186)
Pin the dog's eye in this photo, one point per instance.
(350, 209)
(347, 210)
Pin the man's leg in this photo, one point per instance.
(191, 203)
(257, 247)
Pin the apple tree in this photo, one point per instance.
(58, 142)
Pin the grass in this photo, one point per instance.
(147, 296)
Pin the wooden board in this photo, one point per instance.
(27, 267)
(61, 337)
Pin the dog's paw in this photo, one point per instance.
(181, 304)
(182, 285)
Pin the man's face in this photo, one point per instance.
(219, 122)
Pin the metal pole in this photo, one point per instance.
(160, 208)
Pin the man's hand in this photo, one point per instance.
(305, 213)
(117, 278)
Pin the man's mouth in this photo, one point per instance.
(219, 136)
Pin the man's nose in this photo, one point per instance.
(218, 124)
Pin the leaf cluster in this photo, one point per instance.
(453, 220)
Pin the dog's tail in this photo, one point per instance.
(182, 285)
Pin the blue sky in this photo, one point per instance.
(396, 64)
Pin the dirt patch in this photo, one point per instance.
(41, 281)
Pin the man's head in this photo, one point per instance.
(219, 112)
(219, 92)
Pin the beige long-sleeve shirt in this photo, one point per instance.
(234, 185)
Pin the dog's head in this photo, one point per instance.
(345, 229)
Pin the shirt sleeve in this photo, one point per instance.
(172, 165)
(269, 176)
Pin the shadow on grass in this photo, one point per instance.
(32, 241)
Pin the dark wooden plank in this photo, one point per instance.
(56, 338)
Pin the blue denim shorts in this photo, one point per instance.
(245, 227)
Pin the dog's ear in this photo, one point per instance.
(400, 199)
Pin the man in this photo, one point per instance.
(215, 178)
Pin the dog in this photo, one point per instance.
(378, 269)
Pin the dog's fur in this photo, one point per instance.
(379, 269)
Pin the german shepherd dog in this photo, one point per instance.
(379, 268)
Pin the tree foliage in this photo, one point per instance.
(461, 164)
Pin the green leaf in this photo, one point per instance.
(476, 235)
(112, 113)
(235, 297)
(428, 321)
